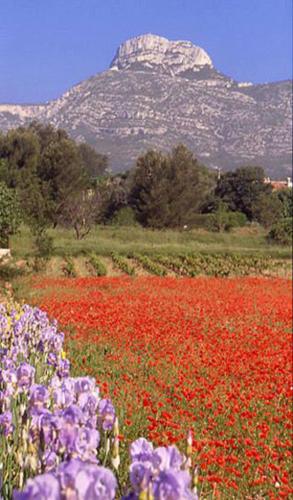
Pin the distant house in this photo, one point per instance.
(278, 185)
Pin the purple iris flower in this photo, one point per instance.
(84, 384)
(6, 423)
(25, 375)
(5, 399)
(141, 450)
(73, 414)
(39, 397)
(140, 476)
(106, 414)
(86, 443)
(8, 377)
(56, 340)
(172, 485)
(44, 487)
(63, 368)
(168, 458)
(52, 359)
(67, 436)
(88, 403)
(84, 481)
(50, 461)
(62, 397)
(46, 423)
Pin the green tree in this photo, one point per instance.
(282, 232)
(45, 167)
(114, 192)
(267, 209)
(243, 189)
(10, 217)
(167, 190)
(95, 163)
(20, 151)
(188, 184)
(223, 219)
(148, 195)
(61, 175)
(286, 198)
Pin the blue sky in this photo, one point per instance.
(46, 46)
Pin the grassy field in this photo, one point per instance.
(104, 240)
(135, 251)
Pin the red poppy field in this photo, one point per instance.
(209, 354)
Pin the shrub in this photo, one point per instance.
(44, 245)
(149, 265)
(174, 264)
(202, 221)
(100, 269)
(68, 268)
(122, 264)
(223, 220)
(281, 232)
(10, 216)
(124, 217)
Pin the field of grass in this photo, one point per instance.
(135, 251)
(104, 240)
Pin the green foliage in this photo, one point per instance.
(286, 198)
(174, 264)
(167, 190)
(124, 217)
(225, 265)
(122, 264)
(267, 209)
(105, 239)
(47, 168)
(242, 190)
(94, 163)
(114, 192)
(200, 221)
(214, 265)
(149, 265)
(44, 245)
(224, 220)
(68, 268)
(61, 174)
(10, 215)
(98, 266)
(20, 150)
(282, 232)
(9, 271)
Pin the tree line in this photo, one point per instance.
(49, 180)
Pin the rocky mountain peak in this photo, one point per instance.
(160, 93)
(153, 52)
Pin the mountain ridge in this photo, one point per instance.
(157, 93)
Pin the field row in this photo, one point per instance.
(138, 264)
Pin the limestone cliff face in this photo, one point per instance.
(156, 52)
(158, 93)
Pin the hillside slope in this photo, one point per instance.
(158, 93)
